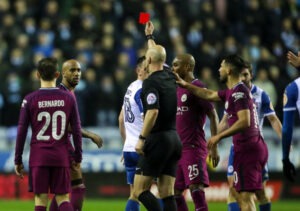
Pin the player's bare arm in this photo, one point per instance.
(293, 59)
(149, 121)
(276, 124)
(213, 154)
(93, 136)
(203, 93)
(223, 124)
(242, 123)
(121, 125)
(122, 129)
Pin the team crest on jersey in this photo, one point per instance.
(151, 99)
(183, 98)
(226, 104)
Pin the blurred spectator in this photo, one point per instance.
(262, 80)
(106, 37)
(107, 111)
(13, 96)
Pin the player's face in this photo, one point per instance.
(223, 72)
(246, 77)
(141, 71)
(72, 74)
(178, 67)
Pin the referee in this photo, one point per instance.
(158, 142)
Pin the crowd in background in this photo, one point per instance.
(106, 38)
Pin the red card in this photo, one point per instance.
(144, 17)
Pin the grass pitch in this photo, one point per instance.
(119, 205)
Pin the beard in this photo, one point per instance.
(223, 80)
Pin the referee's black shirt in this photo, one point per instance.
(159, 92)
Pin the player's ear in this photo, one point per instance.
(57, 74)
(38, 75)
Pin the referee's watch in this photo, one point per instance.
(142, 137)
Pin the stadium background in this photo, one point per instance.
(106, 38)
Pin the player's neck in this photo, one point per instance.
(189, 77)
(155, 67)
(68, 86)
(48, 84)
(232, 81)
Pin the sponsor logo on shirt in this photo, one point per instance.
(151, 99)
(181, 109)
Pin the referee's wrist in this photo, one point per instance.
(150, 37)
(142, 137)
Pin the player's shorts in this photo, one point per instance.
(49, 178)
(130, 160)
(249, 162)
(230, 170)
(192, 169)
(162, 151)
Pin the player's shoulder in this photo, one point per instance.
(198, 83)
(294, 86)
(137, 84)
(256, 89)
(240, 87)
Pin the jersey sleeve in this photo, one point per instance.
(222, 95)
(240, 99)
(23, 124)
(76, 131)
(137, 99)
(150, 95)
(290, 100)
(266, 105)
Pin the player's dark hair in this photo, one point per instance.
(249, 67)
(140, 60)
(47, 68)
(236, 62)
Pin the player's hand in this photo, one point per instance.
(97, 140)
(214, 156)
(180, 81)
(140, 146)
(293, 59)
(289, 170)
(19, 169)
(213, 141)
(149, 28)
(75, 166)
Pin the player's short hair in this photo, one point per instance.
(140, 60)
(236, 62)
(47, 68)
(249, 67)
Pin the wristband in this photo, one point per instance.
(150, 37)
(142, 137)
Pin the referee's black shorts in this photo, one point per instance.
(162, 152)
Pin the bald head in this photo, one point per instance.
(70, 63)
(157, 54)
(187, 59)
(71, 72)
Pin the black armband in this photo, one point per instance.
(150, 37)
(142, 137)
